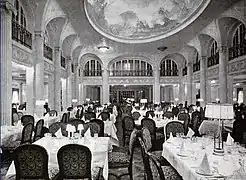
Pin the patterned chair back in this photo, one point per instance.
(89, 115)
(128, 123)
(175, 111)
(56, 126)
(64, 118)
(27, 119)
(174, 127)
(76, 122)
(15, 118)
(31, 162)
(151, 126)
(38, 131)
(146, 139)
(101, 124)
(183, 116)
(152, 113)
(136, 115)
(74, 162)
(168, 115)
(53, 113)
(155, 169)
(94, 128)
(27, 134)
(104, 116)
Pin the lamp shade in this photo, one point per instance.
(219, 111)
(40, 102)
(74, 100)
(143, 101)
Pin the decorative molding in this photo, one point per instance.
(92, 80)
(21, 56)
(63, 73)
(48, 67)
(236, 67)
(132, 80)
(196, 76)
(223, 49)
(172, 80)
(8, 6)
(213, 72)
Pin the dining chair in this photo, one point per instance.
(20, 114)
(168, 115)
(174, 127)
(15, 118)
(31, 162)
(136, 115)
(101, 124)
(27, 134)
(74, 162)
(53, 128)
(122, 158)
(76, 122)
(104, 116)
(64, 118)
(175, 111)
(151, 126)
(38, 131)
(185, 117)
(196, 122)
(152, 113)
(89, 115)
(53, 113)
(27, 119)
(128, 125)
(94, 128)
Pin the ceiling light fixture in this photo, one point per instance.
(103, 47)
(162, 48)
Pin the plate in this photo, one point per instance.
(201, 173)
(182, 154)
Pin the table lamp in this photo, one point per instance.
(220, 112)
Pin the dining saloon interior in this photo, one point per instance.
(123, 89)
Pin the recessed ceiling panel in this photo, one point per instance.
(141, 21)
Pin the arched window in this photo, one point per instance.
(131, 67)
(213, 59)
(93, 68)
(238, 42)
(168, 68)
(196, 64)
(20, 16)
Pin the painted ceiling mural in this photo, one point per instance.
(136, 21)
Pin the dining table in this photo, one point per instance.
(229, 165)
(99, 147)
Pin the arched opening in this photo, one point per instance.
(213, 59)
(93, 68)
(168, 67)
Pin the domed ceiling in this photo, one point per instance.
(141, 21)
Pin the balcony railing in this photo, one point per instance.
(196, 66)
(48, 52)
(169, 72)
(237, 51)
(21, 35)
(63, 62)
(131, 73)
(213, 60)
(92, 72)
(185, 71)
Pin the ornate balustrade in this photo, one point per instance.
(213, 60)
(131, 73)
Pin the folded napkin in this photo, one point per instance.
(59, 133)
(170, 139)
(150, 116)
(88, 133)
(204, 167)
(190, 133)
(229, 140)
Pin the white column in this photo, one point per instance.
(21, 93)
(39, 71)
(57, 79)
(230, 90)
(30, 99)
(181, 90)
(203, 79)
(223, 56)
(76, 84)
(69, 83)
(51, 90)
(208, 90)
(6, 10)
(156, 92)
(105, 86)
(189, 82)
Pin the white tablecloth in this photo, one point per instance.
(99, 147)
(187, 166)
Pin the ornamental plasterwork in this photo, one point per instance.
(92, 80)
(21, 56)
(48, 67)
(169, 80)
(196, 76)
(213, 72)
(129, 80)
(63, 73)
(236, 67)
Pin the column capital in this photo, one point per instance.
(57, 48)
(223, 49)
(6, 5)
(204, 57)
(38, 34)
